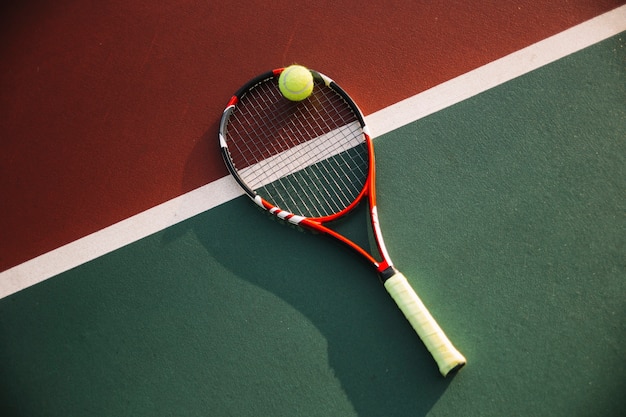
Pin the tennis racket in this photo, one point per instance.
(310, 163)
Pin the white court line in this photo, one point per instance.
(498, 72)
(300, 156)
(223, 190)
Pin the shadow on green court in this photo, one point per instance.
(372, 350)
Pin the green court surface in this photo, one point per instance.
(512, 231)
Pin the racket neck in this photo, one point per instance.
(387, 272)
(384, 268)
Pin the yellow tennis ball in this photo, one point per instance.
(295, 83)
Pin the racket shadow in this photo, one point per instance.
(380, 362)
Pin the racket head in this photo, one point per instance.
(311, 158)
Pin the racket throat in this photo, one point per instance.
(386, 271)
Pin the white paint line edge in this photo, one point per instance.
(498, 72)
(117, 235)
(226, 189)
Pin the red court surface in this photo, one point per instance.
(109, 108)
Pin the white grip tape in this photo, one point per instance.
(440, 347)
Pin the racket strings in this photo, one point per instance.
(309, 157)
(311, 181)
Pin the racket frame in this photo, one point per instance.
(384, 266)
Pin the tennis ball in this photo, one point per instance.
(295, 83)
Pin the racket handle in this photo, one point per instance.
(444, 353)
